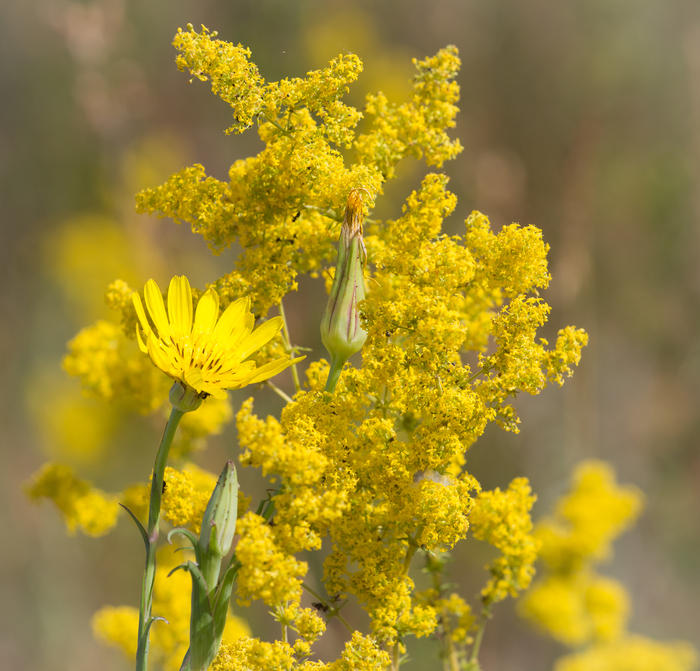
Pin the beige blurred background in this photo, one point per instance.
(581, 117)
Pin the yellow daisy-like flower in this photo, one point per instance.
(208, 353)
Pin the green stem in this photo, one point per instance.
(480, 634)
(334, 373)
(289, 348)
(149, 572)
(275, 124)
(279, 392)
(395, 659)
(451, 663)
(332, 611)
(410, 551)
(481, 371)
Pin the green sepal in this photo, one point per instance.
(144, 535)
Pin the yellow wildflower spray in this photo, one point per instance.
(341, 331)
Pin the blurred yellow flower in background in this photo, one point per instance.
(210, 354)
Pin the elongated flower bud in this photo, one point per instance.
(211, 589)
(219, 521)
(341, 330)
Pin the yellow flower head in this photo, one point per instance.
(207, 354)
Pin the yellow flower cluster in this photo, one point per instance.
(184, 502)
(502, 519)
(577, 609)
(81, 505)
(376, 468)
(249, 654)
(588, 520)
(111, 368)
(574, 604)
(95, 512)
(267, 572)
(633, 653)
(415, 128)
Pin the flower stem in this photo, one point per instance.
(330, 610)
(410, 551)
(485, 614)
(279, 392)
(290, 349)
(334, 373)
(149, 572)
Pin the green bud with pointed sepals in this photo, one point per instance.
(341, 329)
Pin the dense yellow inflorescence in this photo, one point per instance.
(81, 505)
(633, 653)
(503, 520)
(572, 602)
(577, 606)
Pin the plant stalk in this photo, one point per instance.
(290, 349)
(149, 572)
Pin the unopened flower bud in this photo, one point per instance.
(219, 521)
(341, 330)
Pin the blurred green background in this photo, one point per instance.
(581, 117)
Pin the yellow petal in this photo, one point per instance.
(236, 378)
(141, 313)
(193, 377)
(180, 306)
(207, 312)
(160, 356)
(233, 316)
(216, 392)
(139, 338)
(156, 308)
(261, 336)
(271, 369)
(241, 331)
